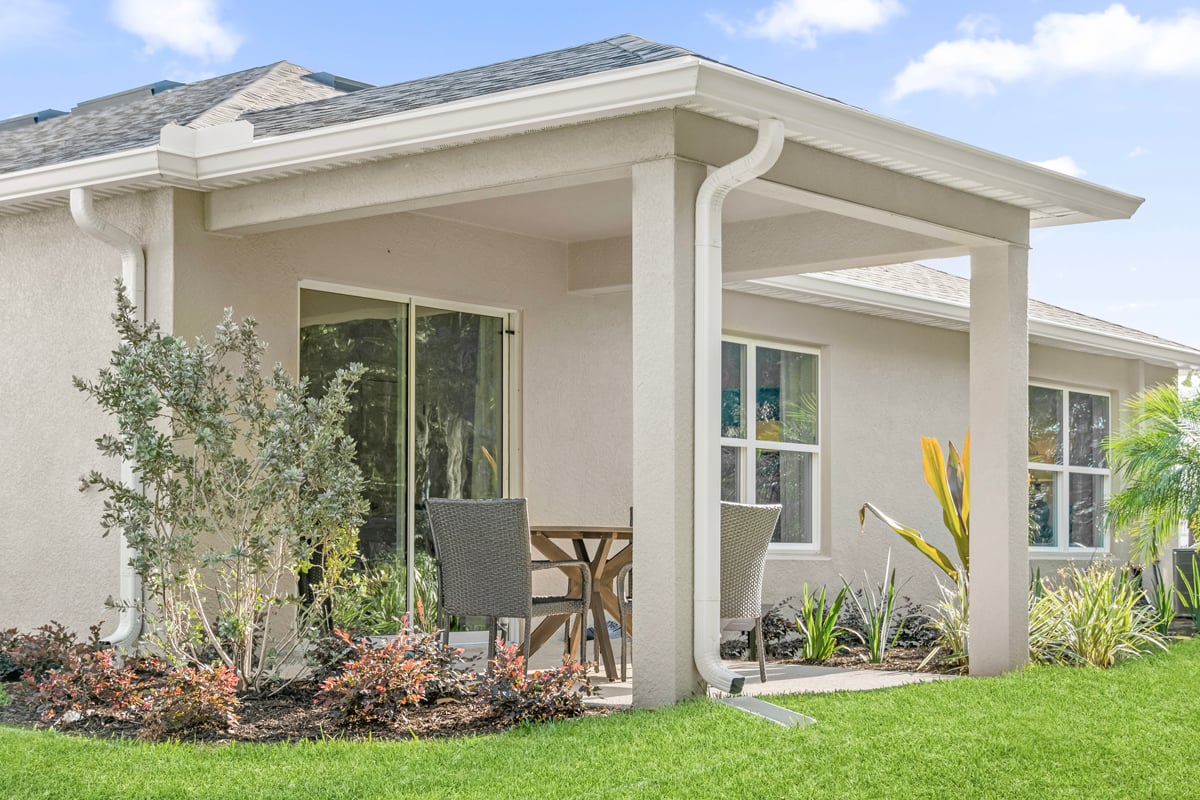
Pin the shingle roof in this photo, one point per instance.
(920, 281)
(137, 123)
(570, 62)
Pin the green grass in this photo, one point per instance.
(1132, 731)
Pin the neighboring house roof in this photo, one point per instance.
(921, 294)
(616, 76)
(138, 123)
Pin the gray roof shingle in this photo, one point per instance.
(571, 62)
(135, 124)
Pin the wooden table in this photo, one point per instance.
(604, 566)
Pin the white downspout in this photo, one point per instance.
(133, 274)
(706, 637)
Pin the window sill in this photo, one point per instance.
(1066, 555)
(797, 555)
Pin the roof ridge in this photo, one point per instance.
(240, 100)
(264, 68)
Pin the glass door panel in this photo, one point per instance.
(458, 414)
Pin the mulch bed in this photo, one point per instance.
(290, 716)
(898, 659)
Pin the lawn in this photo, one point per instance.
(1133, 731)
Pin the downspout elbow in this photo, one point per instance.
(133, 275)
(706, 625)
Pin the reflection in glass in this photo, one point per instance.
(1087, 495)
(786, 405)
(1089, 427)
(1045, 425)
(731, 475)
(733, 390)
(785, 477)
(1043, 505)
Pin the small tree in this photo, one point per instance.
(246, 485)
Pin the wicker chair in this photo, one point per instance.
(624, 584)
(485, 568)
(745, 533)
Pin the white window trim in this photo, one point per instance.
(1062, 472)
(751, 444)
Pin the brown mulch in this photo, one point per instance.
(899, 659)
(291, 716)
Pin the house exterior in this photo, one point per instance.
(539, 219)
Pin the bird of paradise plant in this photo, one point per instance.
(949, 476)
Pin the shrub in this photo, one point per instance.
(191, 698)
(375, 683)
(1189, 595)
(539, 696)
(49, 647)
(1162, 596)
(9, 671)
(94, 683)
(817, 623)
(1094, 617)
(448, 676)
(247, 485)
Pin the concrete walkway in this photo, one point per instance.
(783, 679)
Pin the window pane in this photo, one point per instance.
(1043, 508)
(731, 475)
(787, 396)
(787, 478)
(1045, 425)
(1089, 427)
(1087, 501)
(733, 390)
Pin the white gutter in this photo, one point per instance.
(706, 624)
(133, 273)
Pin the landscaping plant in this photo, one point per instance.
(376, 682)
(1092, 617)
(246, 486)
(93, 682)
(949, 476)
(948, 619)
(876, 608)
(191, 698)
(29, 656)
(818, 624)
(1189, 596)
(546, 695)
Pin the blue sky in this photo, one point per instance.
(1109, 92)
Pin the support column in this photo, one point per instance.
(664, 197)
(998, 636)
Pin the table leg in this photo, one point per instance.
(596, 604)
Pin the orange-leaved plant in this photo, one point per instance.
(949, 476)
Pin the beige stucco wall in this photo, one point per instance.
(56, 293)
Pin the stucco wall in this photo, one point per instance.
(56, 291)
(885, 384)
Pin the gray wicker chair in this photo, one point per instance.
(485, 568)
(624, 584)
(745, 533)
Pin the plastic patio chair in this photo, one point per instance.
(485, 568)
(745, 533)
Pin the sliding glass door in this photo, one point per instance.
(429, 416)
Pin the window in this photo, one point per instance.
(770, 447)
(1068, 471)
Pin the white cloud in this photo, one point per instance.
(1137, 151)
(804, 21)
(979, 25)
(25, 21)
(189, 27)
(1064, 164)
(1109, 42)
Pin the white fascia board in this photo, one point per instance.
(739, 93)
(661, 84)
(1054, 332)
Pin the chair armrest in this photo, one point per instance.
(585, 571)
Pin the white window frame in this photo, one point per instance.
(1062, 480)
(749, 446)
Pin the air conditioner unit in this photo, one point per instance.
(1186, 561)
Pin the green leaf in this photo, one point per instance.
(913, 537)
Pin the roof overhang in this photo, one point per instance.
(229, 155)
(943, 313)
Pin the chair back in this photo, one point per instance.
(745, 533)
(482, 548)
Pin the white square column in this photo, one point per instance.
(998, 635)
(664, 199)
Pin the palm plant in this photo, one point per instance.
(949, 476)
(1157, 457)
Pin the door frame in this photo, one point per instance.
(510, 466)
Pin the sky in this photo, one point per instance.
(1107, 92)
